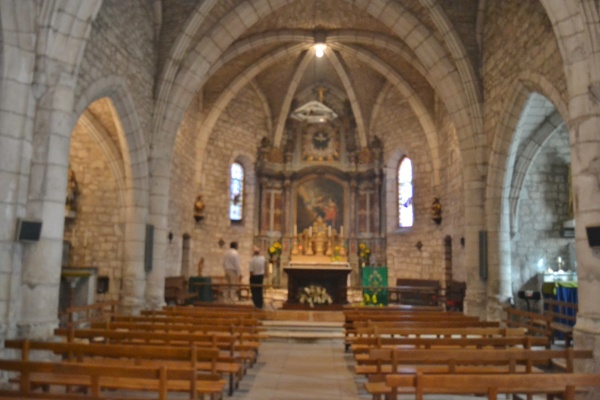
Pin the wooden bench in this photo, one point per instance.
(247, 332)
(98, 378)
(492, 384)
(176, 291)
(452, 361)
(416, 292)
(236, 347)
(562, 316)
(370, 337)
(417, 325)
(536, 324)
(203, 359)
(84, 315)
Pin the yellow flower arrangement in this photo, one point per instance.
(364, 253)
(275, 249)
(336, 254)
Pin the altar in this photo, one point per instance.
(333, 277)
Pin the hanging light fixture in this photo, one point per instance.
(320, 49)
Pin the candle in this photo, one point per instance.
(329, 231)
(295, 230)
(310, 231)
(342, 231)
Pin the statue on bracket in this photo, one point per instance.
(72, 194)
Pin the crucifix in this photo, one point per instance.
(321, 92)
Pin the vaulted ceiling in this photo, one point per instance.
(368, 50)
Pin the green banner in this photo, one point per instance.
(375, 284)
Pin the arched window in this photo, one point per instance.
(236, 193)
(405, 193)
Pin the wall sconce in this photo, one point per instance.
(436, 211)
(170, 237)
(419, 245)
(221, 243)
(462, 241)
(199, 209)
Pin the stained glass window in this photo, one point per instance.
(236, 190)
(405, 193)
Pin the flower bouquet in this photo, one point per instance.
(275, 250)
(314, 294)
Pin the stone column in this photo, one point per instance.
(475, 303)
(585, 147)
(16, 126)
(42, 260)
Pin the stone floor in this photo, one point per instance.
(308, 370)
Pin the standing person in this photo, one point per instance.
(257, 274)
(233, 272)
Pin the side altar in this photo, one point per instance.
(318, 263)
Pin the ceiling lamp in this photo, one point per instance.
(314, 112)
(320, 49)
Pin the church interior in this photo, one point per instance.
(354, 142)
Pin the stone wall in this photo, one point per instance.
(96, 233)
(235, 138)
(452, 195)
(183, 191)
(518, 37)
(543, 208)
(122, 44)
(401, 133)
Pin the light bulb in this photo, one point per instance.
(320, 49)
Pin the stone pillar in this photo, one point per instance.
(476, 295)
(586, 170)
(153, 289)
(42, 260)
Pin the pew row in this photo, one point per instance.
(205, 360)
(566, 385)
(99, 379)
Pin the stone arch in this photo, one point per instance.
(73, 19)
(417, 106)
(136, 177)
(498, 188)
(232, 90)
(108, 148)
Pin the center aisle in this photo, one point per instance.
(296, 370)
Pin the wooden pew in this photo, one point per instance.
(452, 361)
(176, 290)
(415, 325)
(526, 342)
(236, 347)
(562, 316)
(206, 360)
(367, 337)
(247, 332)
(536, 324)
(98, 378)
(491, 385)
(246, 324)
(83, 315)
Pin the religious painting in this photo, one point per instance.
(320, 197)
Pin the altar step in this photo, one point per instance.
(303, 330)
(304, 324)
